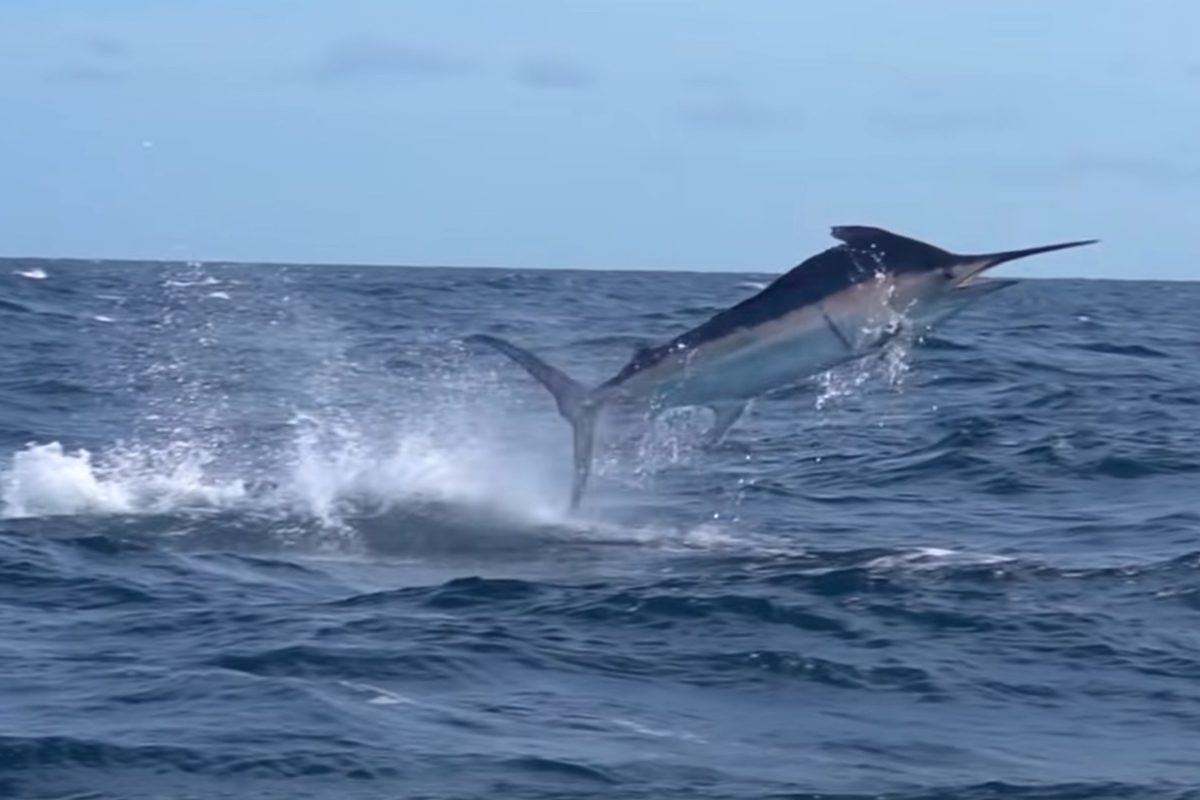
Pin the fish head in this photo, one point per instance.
(925, 282)
(936, 307)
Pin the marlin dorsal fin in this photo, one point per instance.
(865, 237)
(860, 235)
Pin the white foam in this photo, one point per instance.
(207, 280)
(657, 733)
(377, 695)
(334, 470)
(47, 480)
(935, 557)
(35, 274)
(338, 470)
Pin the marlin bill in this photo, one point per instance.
(842, 304)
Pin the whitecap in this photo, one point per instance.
(49, 480)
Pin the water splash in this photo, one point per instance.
(340, 469)
(672, 438)
(335, 473)
(889, 365)
(47, 480)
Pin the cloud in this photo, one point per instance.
(100, 62)
(106, 47)
(731, 111)
(718, 101)
(1148, 169)
(89, 73)
(934, 121)
(550, 73)
(365, 58)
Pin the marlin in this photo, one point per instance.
(839, 305)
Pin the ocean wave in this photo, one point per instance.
(71, 755)
(304, 543)
(1004, 790)
(28, 753)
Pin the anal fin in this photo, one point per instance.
(727, 415)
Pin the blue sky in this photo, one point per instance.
(656, 134)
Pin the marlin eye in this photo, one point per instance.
(947, 273)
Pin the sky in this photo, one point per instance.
(623, 134)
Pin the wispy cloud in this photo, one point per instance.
(930, 111)
(89, 73)
(101, 60)
(1148, 169)
(368, 58)
(106, 47)
(374, 58)
(553, 73)
(722, 102)
(731, 111)
(925, 121)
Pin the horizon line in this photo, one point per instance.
(393, 265)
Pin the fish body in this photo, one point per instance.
(836, 306)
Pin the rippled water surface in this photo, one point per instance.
(275, 532)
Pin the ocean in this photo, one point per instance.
(276, 532)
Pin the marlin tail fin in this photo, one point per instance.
(575, 404)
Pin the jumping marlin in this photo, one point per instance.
(836, 306)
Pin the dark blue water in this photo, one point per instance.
(274, 532)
